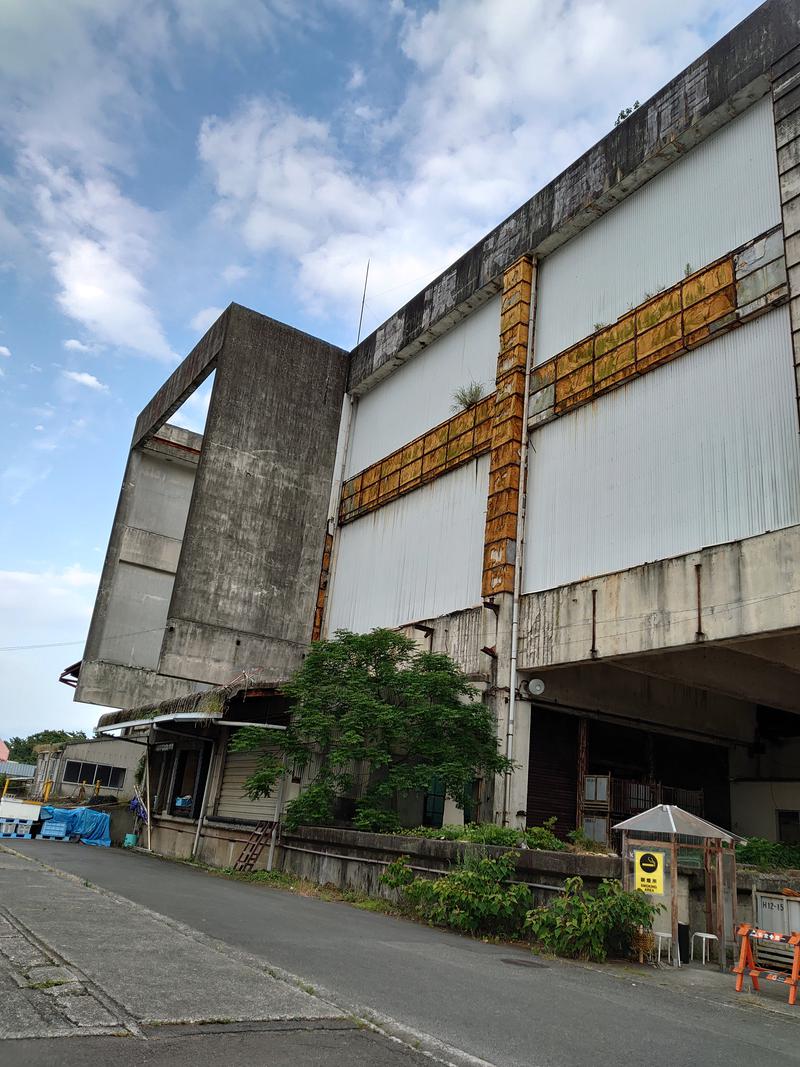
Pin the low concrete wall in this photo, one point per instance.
(219, 845)
(349, 859)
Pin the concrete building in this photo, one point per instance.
(79, 770)
(607, 541)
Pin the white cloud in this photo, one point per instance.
(78, 76)
(39, 428)
(357, 77)
(83, 378)
(6, 352)
(73, 345)
(205, 318)
(483, 124)
(234, 273)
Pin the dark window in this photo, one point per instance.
(110, 777)
(72, 771)
(433, 813)
(789, 827)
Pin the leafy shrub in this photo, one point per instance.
(376, 820)
(580, 925)
(398, 873)
(768, 855)
(543, 837)
(435, 833)
(313, 807)
(476, 897)
(487, 833)
(583, 843)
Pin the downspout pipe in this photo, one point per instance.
(204, 804)
(522, 500)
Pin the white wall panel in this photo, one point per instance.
(416, 558)
(718, 196)
(419, 394)
(701, 451)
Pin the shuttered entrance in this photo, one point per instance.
(553, 769)
(233, 801)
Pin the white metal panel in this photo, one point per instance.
(701, 451)
(721, 194)
(416, 558)
(419, 394)
(233, 801)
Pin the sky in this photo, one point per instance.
(161, 159)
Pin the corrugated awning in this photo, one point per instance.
(208, 705)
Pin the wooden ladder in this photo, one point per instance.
(254, 846)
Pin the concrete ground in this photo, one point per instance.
(79, 963)
(461, 999)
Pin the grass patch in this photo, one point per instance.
(49, 984)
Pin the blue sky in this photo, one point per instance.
(160, 159)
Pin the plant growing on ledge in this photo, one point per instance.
(375, 701)
(467, 396)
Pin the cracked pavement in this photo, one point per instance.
(81, 963)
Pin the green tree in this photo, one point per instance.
(22, 749)
(376, 701)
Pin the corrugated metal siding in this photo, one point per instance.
(723, 193)
(233, 801)
(700, 452)
(419, 394)
(416, 558)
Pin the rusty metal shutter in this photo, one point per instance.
(553, 769)
(233, 801)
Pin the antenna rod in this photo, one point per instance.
(363, 299)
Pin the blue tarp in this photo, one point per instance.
(92, 827)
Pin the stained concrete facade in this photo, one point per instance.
(214, 556)
(672, 617)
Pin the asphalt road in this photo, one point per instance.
(497, 1003)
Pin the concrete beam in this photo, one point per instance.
(605, 690)
(182, 382)
(781, 650)
(719, 669)
(730, 76)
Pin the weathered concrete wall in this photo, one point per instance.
(246, 586)
(130, 611)
(353, 860)
(754, 806)
(733, 74)
(747, 587)
(215, 552)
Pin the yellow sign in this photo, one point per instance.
(649, 871)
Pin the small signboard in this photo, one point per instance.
(649, 872)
